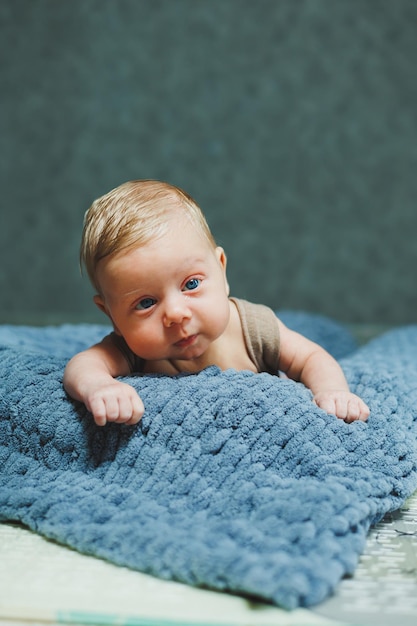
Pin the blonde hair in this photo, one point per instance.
(133, 214)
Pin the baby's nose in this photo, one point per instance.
(176, 311)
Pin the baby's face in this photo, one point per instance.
(169, 298)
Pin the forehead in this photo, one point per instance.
(180, 237)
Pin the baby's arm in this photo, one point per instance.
(304, 360)
(90, 377)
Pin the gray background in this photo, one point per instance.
(293, 123)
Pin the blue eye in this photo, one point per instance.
(191, 284)
(146, 303)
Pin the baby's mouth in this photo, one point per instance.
(186, 342)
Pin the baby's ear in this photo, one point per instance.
(100, 303)
(221, 257)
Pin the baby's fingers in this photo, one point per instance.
(137, 411)
(97, 407)
(118, 403)
(357, 410)
(352, 411)
(131, 409)
(345, 405)
(117, 409)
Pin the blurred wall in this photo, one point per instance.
(293, 123)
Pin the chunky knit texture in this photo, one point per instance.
(233, 481)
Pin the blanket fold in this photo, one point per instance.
(233, 481)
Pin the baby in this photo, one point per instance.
(161, 280)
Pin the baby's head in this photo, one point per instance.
(133, 215)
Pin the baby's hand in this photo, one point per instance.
(344, 404)
(115, 402)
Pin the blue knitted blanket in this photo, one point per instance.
(233, 481)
